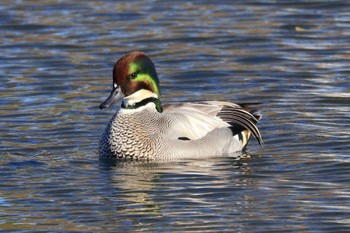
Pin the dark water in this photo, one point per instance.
(55, 68)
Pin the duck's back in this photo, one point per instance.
(206, 129)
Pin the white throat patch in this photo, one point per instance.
(138, 96)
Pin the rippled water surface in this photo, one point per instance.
(55, 68)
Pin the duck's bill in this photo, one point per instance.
(113, 98)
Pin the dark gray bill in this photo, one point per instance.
(113, 98)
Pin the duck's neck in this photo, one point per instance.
(141, 98)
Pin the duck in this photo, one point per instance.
(145, 129)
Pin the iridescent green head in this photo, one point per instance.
(132, 73)
(135, 71)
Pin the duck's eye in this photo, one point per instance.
(133, 75)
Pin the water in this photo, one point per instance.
(55, 69)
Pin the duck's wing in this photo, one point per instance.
(242, 116)
(192, 120)
(248, 107)
(195, 120)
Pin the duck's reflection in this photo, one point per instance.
(182, 190)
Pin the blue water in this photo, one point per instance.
(55, 69)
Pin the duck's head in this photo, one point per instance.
(135, 81)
